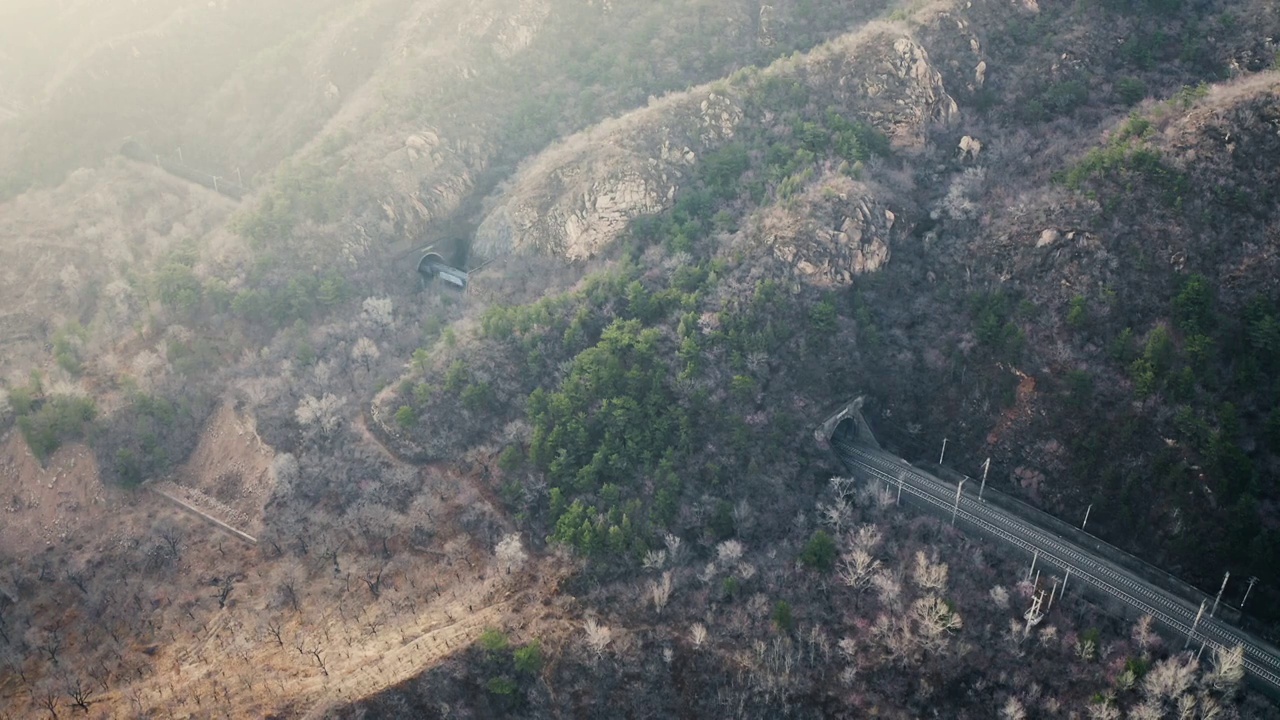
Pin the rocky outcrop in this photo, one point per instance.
(837, 229)
(507, 32)
(575, 199)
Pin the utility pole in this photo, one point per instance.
(1065, 578)
(1033, 616)
(1086, 516)
(1252, 580)
(902, 476)
(1217, 599)
(956, 509)
(1194, 625)
(184, 162)
(986, 466)
(1034, 556)
(944, 451)
(1052, 592)
(239, 179)
(215, 183)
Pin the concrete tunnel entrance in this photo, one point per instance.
(846, 430)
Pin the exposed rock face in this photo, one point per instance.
(575, 199)
(765, 35)
(508, 32)
(836, 230)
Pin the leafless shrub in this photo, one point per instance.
(1143, 635)
(1228, 668)
(378, 312)
(598, 637)
(1103, 710)
(858, 569)
(660, 591)
(698, 634)
(934, 620)
(675, 551)
(655, 559)
(510, 552)
(1013, 710)
(929, 575)
(365, 352)
(1170, 677)
(961, 202)
(728, 553)
(866, 538)
(321, 412)
(284, 471)
(887, 586)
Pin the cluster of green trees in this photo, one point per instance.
(67, 344)
(272, 297)
(995, 325)
(1127, 162)
(507, 668)
(299, 191)
(1218, 371)
(615, 423)
(47, 421)
(617, 372)
(150, 433)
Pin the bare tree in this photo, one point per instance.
(375, 584)
(365, 352)
(698, 634)
(322, 412)
(675, 551)
(857, 569)
(929, 575)
(1170, 677)
(934, 620)
(224, 591)
(866, 538)
(835, 515)
(290, 594)
(1013, 710)
(52, 644)
(80, 695)
(1147, 710)
(887, 587)
(377, 312)
(1228, 667)
(1143, 635)
(598, 637)
(660, 591)
(285, 471)
(274, 628)
(1103, 709)
(654, 559)
(173, 540)
(510, 552)
(49, 701)
(728, 553)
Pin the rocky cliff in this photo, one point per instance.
(574, 199)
